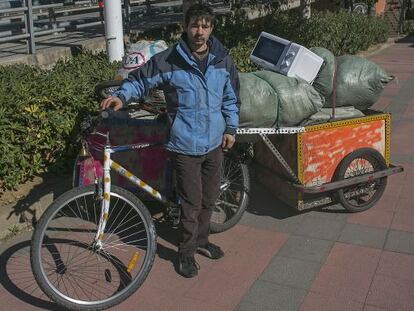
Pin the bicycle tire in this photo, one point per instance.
(62, 265)
(360, 197)
(234, 196)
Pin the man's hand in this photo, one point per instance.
(111, 102)
(227, 142)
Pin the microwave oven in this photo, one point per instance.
(285, 57)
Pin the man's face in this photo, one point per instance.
(198, 32)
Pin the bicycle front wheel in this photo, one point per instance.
(72, 269)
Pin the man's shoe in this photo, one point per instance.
(211, 251)
(188, 267)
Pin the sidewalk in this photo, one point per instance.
(277, 259)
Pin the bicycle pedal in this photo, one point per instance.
(175, 214)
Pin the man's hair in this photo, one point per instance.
(199, 11)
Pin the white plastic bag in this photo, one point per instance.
(138, 54)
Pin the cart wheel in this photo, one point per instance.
(360, 197)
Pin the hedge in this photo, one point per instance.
(40, 112)
(41, 109)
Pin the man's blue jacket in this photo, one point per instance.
(201, 107)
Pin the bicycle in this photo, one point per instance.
(95, 245)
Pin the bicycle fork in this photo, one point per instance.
(105, 198)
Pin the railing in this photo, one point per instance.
(30, 21)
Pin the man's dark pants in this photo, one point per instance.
(198, 187)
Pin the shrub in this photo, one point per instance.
(40, 111)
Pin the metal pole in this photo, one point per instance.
(29, 27)
(113, 29)
(127, 8)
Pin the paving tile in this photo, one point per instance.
(306, 248)
(400, 241)
(342, 283)
(225, 289)
(403, 221)
(273, 296)
(320, 302)
(228, 238)
(354, 258)
(188, 304)
(396, 265)
(381, 104)
(372, 217)
(252, 254)
(388, 199)
(405, 205)
(363, 235)
(265, 222)
(291, 272)
(372, 308)
(248, 306)
(406, 190)
(391, 294)
(316, 227)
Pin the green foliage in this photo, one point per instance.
(340, 32)
(408, 27)
(40, 111)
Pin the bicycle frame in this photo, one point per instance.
(109, 164)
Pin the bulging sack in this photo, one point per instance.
(269, 99)
(323, 82)
(359, 82)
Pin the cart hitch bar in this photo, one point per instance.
(349, 181)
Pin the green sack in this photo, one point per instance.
(359, 82)
(323, 82)
(259, 102)
(269, 99)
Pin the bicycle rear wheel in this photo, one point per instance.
(72, 270)
(234, 195)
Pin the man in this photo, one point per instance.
(201, 84)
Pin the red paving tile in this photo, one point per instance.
(230, 277)
(219, 285)
(225, 289)
(372, 308)
(396, 265)
(391, 90)
(240, 256)
(409, 112)
(389, 199)
(354, 258)
(382, 103)
(372, 217)
(342, 283)
(405, 205)
(320, 302)
(403, 221)
(407, 189)
(391, 293)
(186, 304)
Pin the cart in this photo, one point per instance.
(340, 161)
